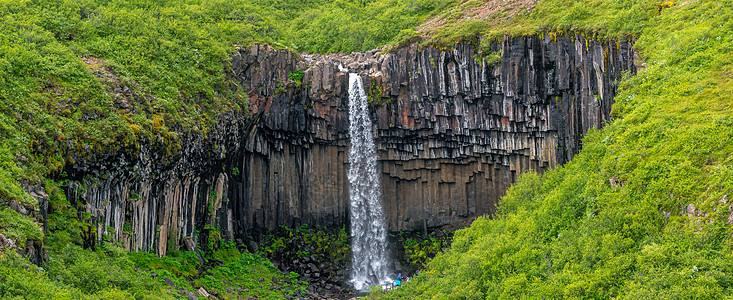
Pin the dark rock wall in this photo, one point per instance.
(160, 199)
(452, 133)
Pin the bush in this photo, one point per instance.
(661, 231)
(18, 227)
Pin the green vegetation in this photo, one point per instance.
(375, 93)
(347, 26)
(327, 248)
(297, 76)
(112, 273)
(18, 227)
(418, 252)
(485, 22)
(77, 274)
(418, 249)
(83, 77)
(64, 225)
(643, 211)
(239, 276)
(602, 19)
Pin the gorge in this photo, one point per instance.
(453, 132)
(487, 149)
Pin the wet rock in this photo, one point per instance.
(253, 247)
(313, 268)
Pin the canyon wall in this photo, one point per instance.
(452, 132)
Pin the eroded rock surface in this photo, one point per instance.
(452, 133)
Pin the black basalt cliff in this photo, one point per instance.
(452, 133)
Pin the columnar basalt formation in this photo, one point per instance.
(452, 132)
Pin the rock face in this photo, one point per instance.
(150, 201)
(452, 133)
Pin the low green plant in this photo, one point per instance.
(22, 279)
(104, 271)
(329, 248)
(643, 210)
(18, 227)
(297, 76)
(374, 94)
(375, 292)
(419, 252)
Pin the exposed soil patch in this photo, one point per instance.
(492, 11)
(124, 93)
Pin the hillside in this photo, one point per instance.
(87, 80)
(644, 211)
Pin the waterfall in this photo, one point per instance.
(368, 229)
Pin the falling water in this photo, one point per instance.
(368, 231)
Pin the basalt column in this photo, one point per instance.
(452, 132)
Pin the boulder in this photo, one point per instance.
(202, 292)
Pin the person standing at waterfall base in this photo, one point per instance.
(398, 282)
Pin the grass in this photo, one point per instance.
(661, 229)
(19, 228)
(78, 78)
(81, 78)
(472, 21)
(112, 273)
(241, 275)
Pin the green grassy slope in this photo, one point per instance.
(494, 18)
(88, 76)
(108, 272)
(112, 273)
(100, 75)
(662, 229)
(104, 74)
(96, 75)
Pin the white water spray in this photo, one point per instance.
(368, 229)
